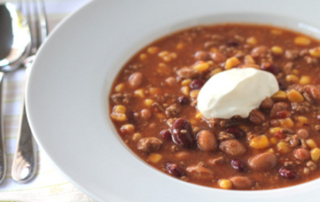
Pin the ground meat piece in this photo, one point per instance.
(149, 144)
(187, 72)
(121, 98)
(296, 87)
(157, 107)
(225, 136)
(294, 141)
(317, 128)
(311, 165)
(304, 52)
(291, 54)
(257, 117)
(216, 160)
(311, 60)
(279, 106)
(267, 103)
(259, 51)
(302, 107)
(202, 55)
(307, 97)
(172, 110)
(288, 67)
(209, 44)
(313, 90)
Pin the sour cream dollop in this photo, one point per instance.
(235, 92)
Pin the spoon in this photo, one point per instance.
(15, 46)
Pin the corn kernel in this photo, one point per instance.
(292, 78)
(283, 147)
(315, 154)
(180, 46)
(243, 127)
(119, 109)
(301, 40)
(127, 128)
(193, 121)
(139, 93)
(301, 121)
(259, 142)
(153, 50)
(315, 52)
(185, 82)
(274, 130)
(252, 41)
(295, 71)
(276, 32)
(167, 58)
(196, 129)
(248, 59)
(280, 95)
(143, 56)
(277, 50)
(148, 102)
(295, 96)
(225, 184)
(213, 50)
(305, 80)
(194, 93)
(154, 91)
(154, 158)
(201, 67)
(198, 115)
(215, 71)
(163, 53)
(185, 90)
(270, 150)
(286, 123)
(232, 62)
(118, 117)
(160, 115)
(119, 88)
(273, 140)
(136, 136)
(311, 143)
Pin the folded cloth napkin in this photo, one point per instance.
(49, 184)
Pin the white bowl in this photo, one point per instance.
(69, 85)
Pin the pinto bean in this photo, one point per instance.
(264, 161)
(303, 133)
(199, 173)
(171, 81)
(206, 140)
(259, 51)
(257, 117)
(149, 144)
(135, 80)
(267, 103)
(232, 147)
(218, 57)
(302, 154)
(145, 114)
(202, 55)
(241, 182)
(279, 106)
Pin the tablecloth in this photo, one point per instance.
(49, 184)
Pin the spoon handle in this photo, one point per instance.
(3, 159)
(24, 165)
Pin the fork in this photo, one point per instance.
(24, 165)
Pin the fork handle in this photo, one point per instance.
(24, 165)
(3, 159)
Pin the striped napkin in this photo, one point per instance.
(49, 184)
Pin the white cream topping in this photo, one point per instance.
(235, 92)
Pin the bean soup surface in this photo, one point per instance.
(153, 107)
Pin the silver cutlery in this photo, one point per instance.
(24, 165)
(15, 46)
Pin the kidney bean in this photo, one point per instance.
(197, 84)
(182, 133)
(202, 55)
(199, 173)
(174, 169)
(269, 67)
(264, 161)
(303, 133)
(302, 154)
(282, 84)
(237, 132)
(135, 80)
(218, 57)
(232, 147)
(145, 114)
(206, 140)
(232, 43)
(286, 173)
(165, 135)
(149, 144)
(239, 165)
(241, 182)
(183, 100)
